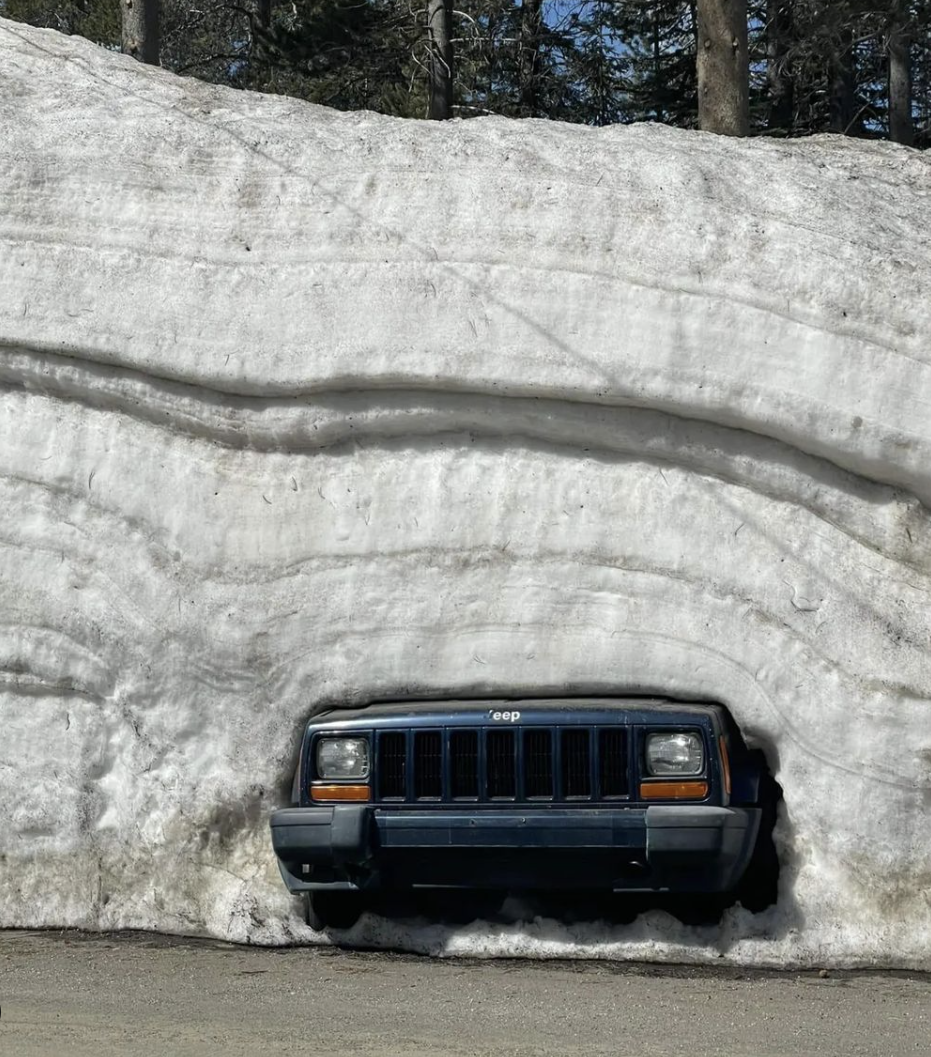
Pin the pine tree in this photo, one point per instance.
(659, 38)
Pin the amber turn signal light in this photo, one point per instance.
(340, 792)
(673, 790)
(725, 765)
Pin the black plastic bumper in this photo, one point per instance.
(657, 848)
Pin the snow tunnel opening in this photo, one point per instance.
(417, 887)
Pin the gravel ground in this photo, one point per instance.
(69, 993)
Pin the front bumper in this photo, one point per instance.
(657, 848)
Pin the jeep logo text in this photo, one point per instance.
(505, 717)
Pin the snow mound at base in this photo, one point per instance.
(301, 409)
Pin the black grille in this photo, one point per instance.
(612, 761)
(535, 763)
(428, 765)
(463, 764)
(392, 766)
(538, 764)
(502, 767)
(576, 763)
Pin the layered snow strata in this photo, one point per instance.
(302, 408)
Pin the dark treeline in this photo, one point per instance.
(851, 66)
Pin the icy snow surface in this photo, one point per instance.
(301, 409)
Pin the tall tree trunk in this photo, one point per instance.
(723, 67)
(658, 111)
(141, 29)
(901, 126)
(779, 27)
(439, 35)
(531, 25)
(842, 88)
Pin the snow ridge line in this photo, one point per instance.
(884, 518)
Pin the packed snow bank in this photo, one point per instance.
(303, 408)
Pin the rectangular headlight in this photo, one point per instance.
(674, 754)
(343, 758)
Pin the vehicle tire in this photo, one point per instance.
(338, 910)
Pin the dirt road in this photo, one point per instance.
(67, 994)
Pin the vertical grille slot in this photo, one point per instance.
(502, 772)
(463, 764)
(538, 764)
(576, 764)
(428, 765)
(392, 766)
(612, 761)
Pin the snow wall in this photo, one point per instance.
(301, 409)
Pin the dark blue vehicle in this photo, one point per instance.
(610, 794)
